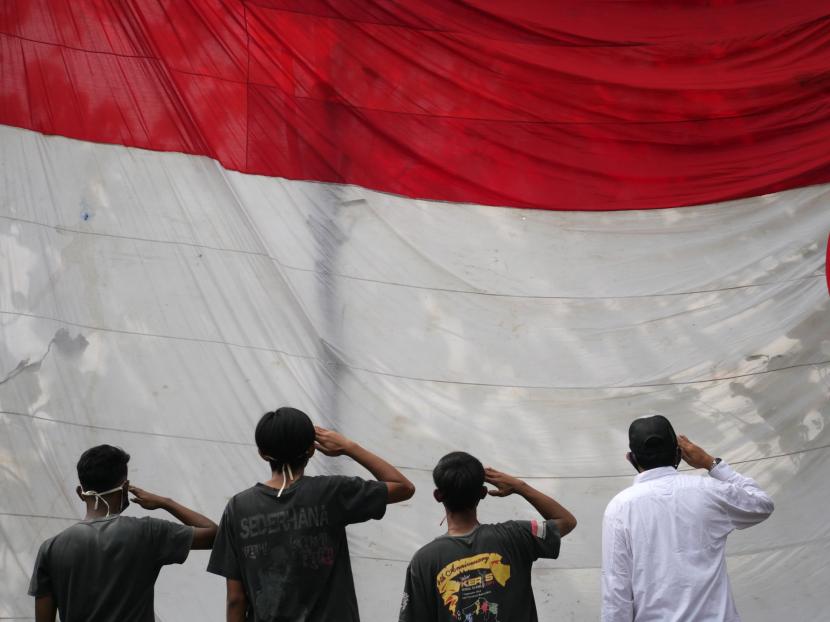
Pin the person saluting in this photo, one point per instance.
(282, 544)
(104, 568)
(664, 538)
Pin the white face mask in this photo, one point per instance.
(285, 481)
(99, 496)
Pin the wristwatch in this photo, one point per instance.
(715, 463)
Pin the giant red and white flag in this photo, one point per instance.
(507, 228)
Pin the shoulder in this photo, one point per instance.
(524, 531)
(622, 499)
(509, 525)
(242, 497)
(629, 499)
(328, 480)
(530, 527)
(700, 485)
(696, 480)
(426, 567)
(325, 485)
(155, 531)
(66, 533)
(343, 484)
(139, 522)
(505, 529)
(334, 480)
(46, 545)
(116, 528)
(74, 533)
(427, 554)
(148, 525)
(134, 521)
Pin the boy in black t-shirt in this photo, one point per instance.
(282, 544)
(104, 568)
(475, 572)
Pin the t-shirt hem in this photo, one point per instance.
(223, 573)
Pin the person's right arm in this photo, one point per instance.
(743, 500)
(333, 443)
(45, 609)
(547, 506)
(617, 592)
(237, 602)
(224, 562)
(40, 586)
(204, 529)
(418, 601)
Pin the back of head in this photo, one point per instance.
(284, 436)
(102, 468)
(459, 478)
(653, 442)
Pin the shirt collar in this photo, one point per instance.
(657, 473)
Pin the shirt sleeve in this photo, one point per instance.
(41, 583)
(617, 591)
(360, 500)
(541, 538)
(418, 597)
(744, 501)
(171, 541)
(223, 557)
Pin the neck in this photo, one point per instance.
(662, 466)
(113, 499)
(461, 522)
(277, 479)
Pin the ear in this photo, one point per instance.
(262, 455)
(438, 496)
(311, 449)
(483, 494)
(78, 491)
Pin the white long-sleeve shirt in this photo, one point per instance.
(663, 542)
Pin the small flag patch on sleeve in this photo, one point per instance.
(538, 529)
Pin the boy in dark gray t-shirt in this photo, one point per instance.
(475, 572)
(282, 545)
(104, 568)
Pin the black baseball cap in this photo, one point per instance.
(651, 436)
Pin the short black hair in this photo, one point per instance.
(102, 467)
(283, 437)
(459, 477)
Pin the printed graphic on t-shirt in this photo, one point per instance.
(467, 586)
(308, 550)
(313, 517)
(275, 580)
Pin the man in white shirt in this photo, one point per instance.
(663, 539)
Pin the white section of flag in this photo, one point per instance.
(159, 302)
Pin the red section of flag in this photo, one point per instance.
(531, 104)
